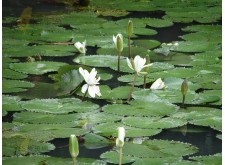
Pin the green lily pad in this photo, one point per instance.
(12, 86)
(11, 74)
(195, 46)
(202, 116)
(112, 157)
(129, 78)
(158, 161)
(203, 28)
(148, 44)
(154, 123)
(58, 106)
(203, 36)
(11, 103)
(175, 83)
(110, 129)
(25, 160)
(157, 23)
(23, 146)
(36, 68)
(159, 148)
(32, 117)
(93, 141)
(211, 159)
(142, 108)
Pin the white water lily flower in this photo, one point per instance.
(121, 136)
(91, 82)
(81, 47)
(118, 40)
(138, 64)
(158, 84)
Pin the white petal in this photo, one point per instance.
(84, 88)
(97, 91)
(139, 63)
(114, 39)
(81, 71)
(93, 72)
(91, 91)
(158, 84)
(129, 64)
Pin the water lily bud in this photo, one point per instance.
(119, 43)
(118, 40)
(73, 146)
(184, 87)
(121, 136)
(130, 28)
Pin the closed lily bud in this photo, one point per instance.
(130, 28)
(118, 40)
(73, 146)
(121, 136)
(184, 87)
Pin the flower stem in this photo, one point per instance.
(74, 161)
(120, 159)
(132, 88)
(129, 46)
(84, 95)
(183, 101)
(119, 61)
(144, 82)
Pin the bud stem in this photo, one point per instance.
(120, 158)
(129, 46)
(183, 101)
(74, 161)
(132, 88)
(119, 61)
(144, 81)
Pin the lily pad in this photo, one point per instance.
(23, 146)
(142, 108)
(93, 141)
(32, 117)
(157, 23)
(11, 103)
(11, 74)
(159, 148)
(12, 86)
(110, 129)
(58, 106)
(36, 68)
(211, 159)
(112, 157)
(154, 123)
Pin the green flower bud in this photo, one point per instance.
(73, 146)
(184, 87)
(130, 28)
(119, 43)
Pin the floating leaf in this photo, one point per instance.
(12, 147)
(36, 68)
(58, 106)
(142, 108)
(11, 86)
(154, 123)
(11, 74)
(211, 159)
(112, 157)
(110, 129)
(93, 141)
(157, 23)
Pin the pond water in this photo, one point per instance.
(203, 136)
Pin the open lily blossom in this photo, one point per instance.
(138, 64)
(81, 47)
(158, 84)
(90, 79)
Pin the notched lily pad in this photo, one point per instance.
(36, 68)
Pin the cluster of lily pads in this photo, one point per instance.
(92, 93)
